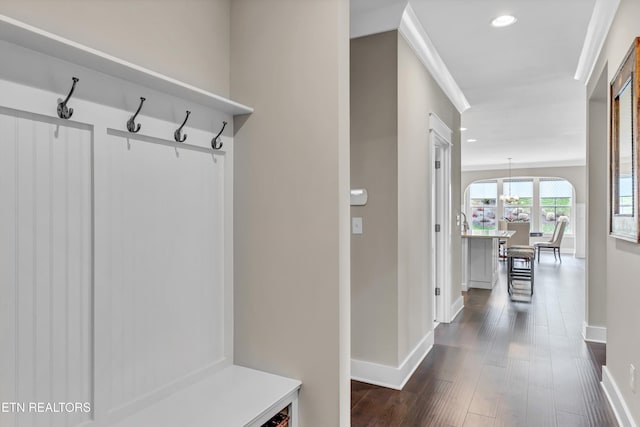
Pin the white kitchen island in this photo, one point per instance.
(480, 257)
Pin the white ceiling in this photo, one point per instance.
(525, 103)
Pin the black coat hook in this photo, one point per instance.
(214, 141)
(65, 112)
(131, 124)
(177, 135)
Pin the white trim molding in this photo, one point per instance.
(440, 142)
(456, 308)
(594, 333)
(391, 376)
(601, 19)
(620, 408)
(27, 36)
(414, 33)
(438, 126)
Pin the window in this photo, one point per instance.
(483, 197)
(625, 195)
(556, 199)
(541, 201)
(517, 209)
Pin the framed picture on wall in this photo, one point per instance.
(624, 148)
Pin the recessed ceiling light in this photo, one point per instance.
(463, 129)
(472, 140)
(504, 21)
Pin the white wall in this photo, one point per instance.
(290, 61)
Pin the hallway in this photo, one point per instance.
(502, 363)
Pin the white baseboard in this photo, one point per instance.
(465, 288)
(594, 333)
(620, 408)
(391, 376)
(457, 307)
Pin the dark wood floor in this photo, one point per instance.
(503, 363)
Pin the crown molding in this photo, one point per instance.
(601, 19)
(414, 33)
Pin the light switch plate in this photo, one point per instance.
(356, 225)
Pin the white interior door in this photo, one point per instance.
(437, 240)
(440, 140)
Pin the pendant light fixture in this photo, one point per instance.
(510, 198)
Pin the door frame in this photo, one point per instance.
(440, 146)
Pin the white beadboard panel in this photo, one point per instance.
(155, 247)
(8, 261)
(45, 266)
(164, 247)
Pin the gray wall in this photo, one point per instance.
(187, 39)
(623, 258)
(290, 62)
(419, 95)
(374, 166)
(596, 269)
(392, 95)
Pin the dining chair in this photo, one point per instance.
(556, 239)
(521, 238)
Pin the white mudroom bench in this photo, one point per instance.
(233, 397)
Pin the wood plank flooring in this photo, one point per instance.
(503, 363)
